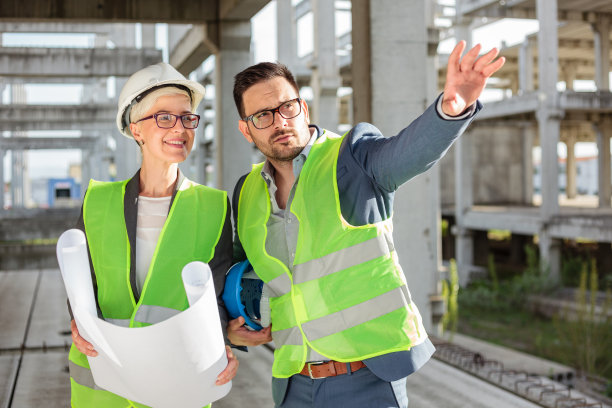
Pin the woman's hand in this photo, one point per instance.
(239, 335)
(231, 369)
(81, 344)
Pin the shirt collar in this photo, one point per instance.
(267, 172)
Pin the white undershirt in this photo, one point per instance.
(152, 214)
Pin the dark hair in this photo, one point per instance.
(264, 71)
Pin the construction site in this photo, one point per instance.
(534, 166)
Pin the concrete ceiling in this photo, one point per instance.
(583, 10)
(142, 11)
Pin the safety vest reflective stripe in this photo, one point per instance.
(291, 336)
(280, 285)
(82, 375)
(342, 259)
(355, 315)
(152, 314)
(325, 300)
(119, 322)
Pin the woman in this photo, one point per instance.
(142, 231)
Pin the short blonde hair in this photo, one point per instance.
(141, 108)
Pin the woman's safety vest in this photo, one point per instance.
(190, 233)
(346, 296)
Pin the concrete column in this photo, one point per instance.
(570, 167)
(529, 135)
(604, 133)
(403, 80)
(601, 32)
(325, 78)
(86, 167)
(526, 65)
(234, 154)
(1, 175)
(550, 254)
(127, 153)
(549, 125)
(286, 35)
(569, 71)
(360, 61)
(148, 35)
(17, 163)
(464, 187)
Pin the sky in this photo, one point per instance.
(46, 163)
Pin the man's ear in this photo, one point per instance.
(305, 109)
(243, 126)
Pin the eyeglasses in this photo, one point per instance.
(265, 118)
(168, 120)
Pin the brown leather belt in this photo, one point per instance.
(329, 368)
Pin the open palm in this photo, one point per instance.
(466, 77)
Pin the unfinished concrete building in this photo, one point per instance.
(488, 183)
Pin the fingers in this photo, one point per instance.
(467, 62)
(241, 336)
(81, 344)
(236, 323)
(471, 62)
(494, 67)
(230, 371)
(455, 57)
(485, 59)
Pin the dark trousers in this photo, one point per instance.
(360, 389)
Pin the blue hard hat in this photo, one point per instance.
(243, 294)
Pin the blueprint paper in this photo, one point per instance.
(174, 363)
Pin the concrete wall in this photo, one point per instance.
(498, 172)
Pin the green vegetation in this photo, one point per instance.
(497, 310)
(450, 291)
(586, 334)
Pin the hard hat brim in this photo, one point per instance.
(197, 94)
(231, 293)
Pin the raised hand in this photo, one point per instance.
(466, 77)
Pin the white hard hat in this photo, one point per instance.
(147, 79)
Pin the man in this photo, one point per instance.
(314, 220)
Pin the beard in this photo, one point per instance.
(286, 151)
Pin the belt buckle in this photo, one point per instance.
(310, 369)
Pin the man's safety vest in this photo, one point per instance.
(346, 296)
(190, 233)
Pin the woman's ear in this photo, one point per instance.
(135, 129)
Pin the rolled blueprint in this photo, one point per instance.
(170, 364)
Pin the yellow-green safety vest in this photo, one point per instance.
(347, 297)
(190, 233)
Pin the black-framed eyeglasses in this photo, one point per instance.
(168, 120)
(265, 118)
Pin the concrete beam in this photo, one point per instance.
(141, 11)
(197, 44)
(38, 143)
(302, 8)
(74, 62)
(19, 224)
(524, 9)
(27, 116)
(91, 28)
(516, 105)
(240, 9)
